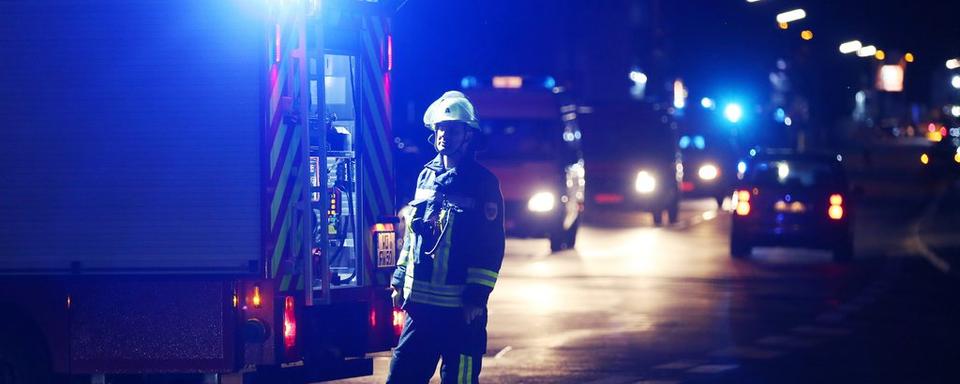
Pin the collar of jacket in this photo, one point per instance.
(436, 164)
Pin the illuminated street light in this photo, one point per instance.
(955, 81)
(953, 63)
(783, 25)
(880, 55)
(850, 46)
(867, 51)
(791, 16)
(806, 35)
(908, 57)
(638, 77)
(679, 94)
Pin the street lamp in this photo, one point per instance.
(850, 47)
(791, 16)
(867, 51)
(953, 63)
(955, 81)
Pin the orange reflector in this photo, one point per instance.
(835, 212)
(836, 199)
(256, 300)
(925, 159)
(398, 318)
(289, 323)
(236, 300)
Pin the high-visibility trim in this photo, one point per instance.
(461, 377)
(482, 271)
(441, 262)
(417, 296)
(482, 276)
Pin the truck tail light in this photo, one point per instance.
(398, 318)
(741, 200)
(289, 323)
(836, 206)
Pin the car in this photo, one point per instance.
(783, 198)
(535, 153)
(632, 160)
(707, 170)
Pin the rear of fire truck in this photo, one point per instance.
(195, 190)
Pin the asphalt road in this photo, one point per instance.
(635, 303)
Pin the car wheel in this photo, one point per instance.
(739, 248)
(720, 201)
(572, 233)
(562, 239)
(657, 217)
(673, 212)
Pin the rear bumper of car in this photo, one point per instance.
(816, 234)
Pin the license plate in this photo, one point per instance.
(793, 207)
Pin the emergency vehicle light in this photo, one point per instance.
(289, 323)
(398, 318)
(511, 82)
(256, 299)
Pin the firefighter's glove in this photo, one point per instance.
(397, 297)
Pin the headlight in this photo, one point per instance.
(708, 172)
(645, 183)
(542, 202)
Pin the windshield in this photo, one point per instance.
(794, 173)
(521, 138)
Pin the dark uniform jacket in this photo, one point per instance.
(454, 243)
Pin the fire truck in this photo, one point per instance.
(195, 190)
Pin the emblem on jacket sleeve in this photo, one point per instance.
(490, 210)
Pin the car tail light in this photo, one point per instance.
(398, 318)
(836, 206)
(289, 323)
(741, 200)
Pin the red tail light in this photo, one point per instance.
(741, 200)
(398, 318)
(289, 324)
(836, 206)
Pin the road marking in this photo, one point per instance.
(747, 353)
(714, 368)
(702, 217)
(918, 243)
(503, 352)
(821, 331)
(678, 365)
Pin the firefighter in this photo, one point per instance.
(451, 256)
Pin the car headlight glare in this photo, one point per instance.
(645, 183)
(708, 172)
(542, 202)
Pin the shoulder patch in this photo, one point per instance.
(491, 210)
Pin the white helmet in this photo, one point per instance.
(452, 106)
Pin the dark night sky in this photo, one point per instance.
(715, 46)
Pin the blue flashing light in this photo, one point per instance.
(779, 115)
(684, 142)
(468, 82)
(753, 152)
(707, 103)
(549, 82)
(733, 112)
(699, 142)
(742, 167)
